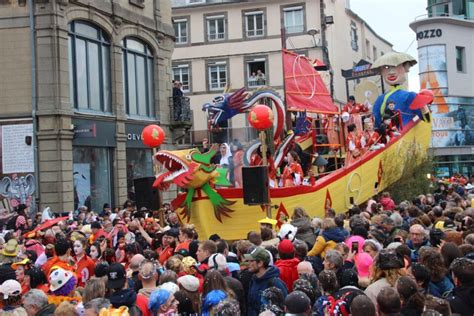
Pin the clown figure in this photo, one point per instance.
(394, 68)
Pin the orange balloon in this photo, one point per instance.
(260, 117)
(153, 136)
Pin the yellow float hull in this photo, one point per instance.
(357, 182)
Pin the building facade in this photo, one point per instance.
(79, 81)
(239, 43)
(445, 37)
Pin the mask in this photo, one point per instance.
(78, 248)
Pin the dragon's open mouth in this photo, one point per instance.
(175, 167)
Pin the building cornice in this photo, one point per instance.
(441, 20)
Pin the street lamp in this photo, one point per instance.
(312, 32)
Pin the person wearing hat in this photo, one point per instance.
(20, 268)
(162, 302)
(389, 266)
(189, 286)
(62, 286)
(10, 299)
(120, 294)
(265, 276)
(10, 251)
(288, 263)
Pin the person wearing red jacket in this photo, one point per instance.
(288, 263)
(97, 232)
(83, 264)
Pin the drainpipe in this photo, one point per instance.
(324, 46)
(34, 99)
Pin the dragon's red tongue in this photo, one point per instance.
(159, 181)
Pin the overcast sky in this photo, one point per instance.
(390, 19)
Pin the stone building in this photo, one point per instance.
(78, 82)
(221, 42)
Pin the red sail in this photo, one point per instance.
(304, 88)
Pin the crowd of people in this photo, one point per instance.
(382, 258)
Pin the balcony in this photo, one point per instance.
(181, 115)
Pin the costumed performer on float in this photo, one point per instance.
(394, 68)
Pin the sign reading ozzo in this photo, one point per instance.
(431, 33)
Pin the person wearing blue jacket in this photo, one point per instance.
(265, 276)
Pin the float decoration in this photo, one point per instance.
(153, 136)
(260, 117)
(192, 170)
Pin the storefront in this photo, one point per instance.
(93, 151)
(139, 156)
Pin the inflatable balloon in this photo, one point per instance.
(261, 117)
(153, 136)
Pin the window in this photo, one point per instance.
(217, 75)
(374, 52)
(181, 74)
(293, 19)
(354, 37)
(438, 8)
(138, 78)
(460, 57)
(382, 53)
(181, 31)
(89, 67)
(196, 1)
(367, 48)
(256, 72)
(92, 176)
(254, 24)
(215, 28)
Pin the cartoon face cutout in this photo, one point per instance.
(395, 75)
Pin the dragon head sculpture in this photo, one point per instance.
(226, 106)
(191, 170)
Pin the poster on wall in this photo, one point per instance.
(17, 149)
(454, 127)
(453, 117)
(82, 184)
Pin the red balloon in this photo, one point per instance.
(261, 117)
(153, 136)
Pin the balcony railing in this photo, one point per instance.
(215, 36)
(180, 111)
(256, 82)
(254, 32)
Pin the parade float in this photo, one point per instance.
(216, 208)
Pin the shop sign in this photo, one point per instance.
(134, 135)
(430, 33)
(94, 133)
(88, 130)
